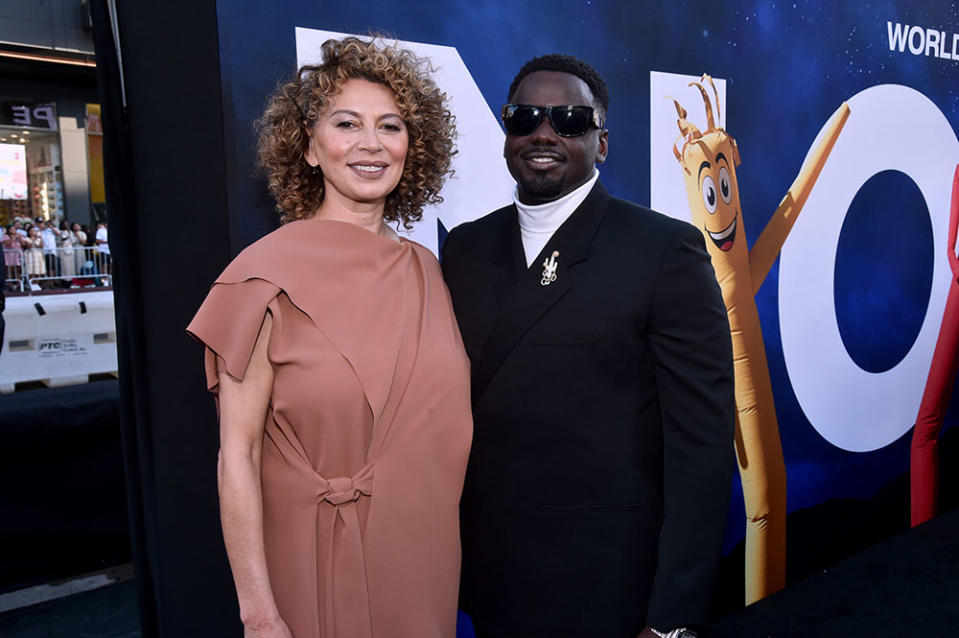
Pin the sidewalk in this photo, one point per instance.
(106, 612)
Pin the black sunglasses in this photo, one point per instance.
(567, 121)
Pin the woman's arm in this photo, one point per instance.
(243, 409)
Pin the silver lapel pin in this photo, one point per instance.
(549, 269)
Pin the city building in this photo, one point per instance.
(51, 149)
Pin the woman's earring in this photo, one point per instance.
(315, 170)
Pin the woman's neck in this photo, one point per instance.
(368, 215)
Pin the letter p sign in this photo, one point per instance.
(44, 113)
(37, 115)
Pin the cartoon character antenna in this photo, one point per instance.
(710, 123)
(689, 132)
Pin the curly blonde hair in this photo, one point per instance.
(295, 105)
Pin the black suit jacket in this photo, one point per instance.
(600, 471)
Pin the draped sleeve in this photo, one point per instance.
(228, 323)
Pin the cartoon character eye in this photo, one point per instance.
(709, 194)
(724, 184)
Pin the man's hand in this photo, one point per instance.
(647, 633)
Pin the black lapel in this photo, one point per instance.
(509, 256)
(526, 299)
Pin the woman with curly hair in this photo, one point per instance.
(342, 382)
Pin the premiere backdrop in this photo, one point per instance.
(848, 316)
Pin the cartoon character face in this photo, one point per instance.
(709, 159)
(713, 191)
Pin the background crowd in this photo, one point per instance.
(41, 254)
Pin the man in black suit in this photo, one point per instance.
(599, 477)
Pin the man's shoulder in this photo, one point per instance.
(489, 223)
(629, 217)
(482, 231)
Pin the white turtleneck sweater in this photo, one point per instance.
(538, 223)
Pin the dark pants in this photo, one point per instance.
(53, 264)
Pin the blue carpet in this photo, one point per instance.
(107, 612)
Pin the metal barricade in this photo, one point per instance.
(36, 269)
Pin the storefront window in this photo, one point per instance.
(31, 183)
(51, 179)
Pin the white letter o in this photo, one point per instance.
(890, 127)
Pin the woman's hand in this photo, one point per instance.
(269, 629)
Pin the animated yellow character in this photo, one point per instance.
(709, 159)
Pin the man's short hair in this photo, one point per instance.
(565, 64)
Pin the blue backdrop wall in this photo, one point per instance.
(786, 67)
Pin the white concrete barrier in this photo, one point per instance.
(58, 339)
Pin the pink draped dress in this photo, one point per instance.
(368, 430)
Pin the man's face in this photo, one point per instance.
(545, 165)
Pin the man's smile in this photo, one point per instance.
(542, 159)
(724, 239)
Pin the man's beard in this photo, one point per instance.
(543, 187)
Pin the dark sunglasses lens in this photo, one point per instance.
(571, 121)
(522, 119)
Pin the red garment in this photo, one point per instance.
(935, 398)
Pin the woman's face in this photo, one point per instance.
(360, 143)
(75, 228)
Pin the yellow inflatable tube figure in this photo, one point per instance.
(709, 159)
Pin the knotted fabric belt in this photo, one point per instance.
(347, 603)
